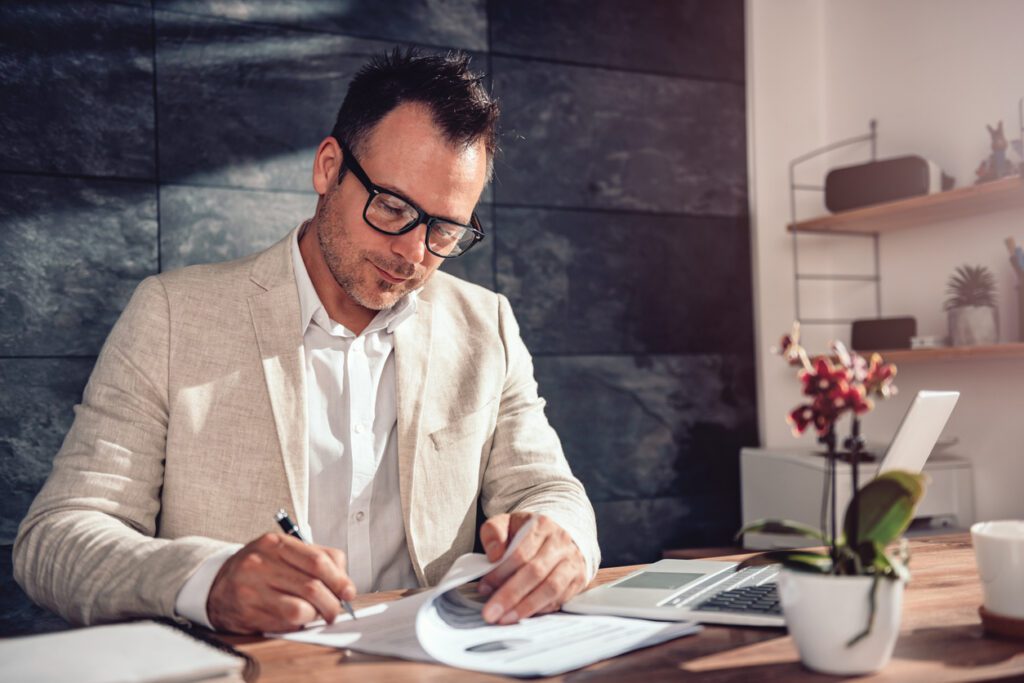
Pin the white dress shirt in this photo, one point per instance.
(352, 413)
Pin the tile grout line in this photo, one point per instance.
(50, 357)
(156, 143)
(488, 9)
(619, 69)
(271, 190)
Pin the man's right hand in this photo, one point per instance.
(276, 584)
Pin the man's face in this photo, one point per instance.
(406, 154)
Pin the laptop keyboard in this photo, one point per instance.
(763, 599)
(749, 577)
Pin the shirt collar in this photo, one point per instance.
(312, 309)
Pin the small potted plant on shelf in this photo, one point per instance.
(843, 605)
(971, 306)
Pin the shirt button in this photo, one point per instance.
(360, 515)
(359, 429)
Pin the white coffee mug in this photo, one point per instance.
(999, 549)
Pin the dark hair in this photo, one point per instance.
(455, 96)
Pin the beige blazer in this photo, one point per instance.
(191, 434)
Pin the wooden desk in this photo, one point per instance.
(941, 640)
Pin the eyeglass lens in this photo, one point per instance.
(389, 213)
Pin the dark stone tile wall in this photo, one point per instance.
(693, 38)
(226, 89)
(620, 140)
(211, 224)
(144, 136)
(77, 88)
(458, 24)
(71, 252)
(655, 439)
(35, 413)
(600, 282)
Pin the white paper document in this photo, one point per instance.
(119, 653)
(444, 624)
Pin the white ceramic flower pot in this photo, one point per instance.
(973, 325)
(824, 612)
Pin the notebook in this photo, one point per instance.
(714, 592)
(137, 652)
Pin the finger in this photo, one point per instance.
(296, 584)
(288, 613)
(517, 520)
(267, 617)
(250, 605)
(320, 564)
(526, 577)
(494, 536)
(545, 595)
(498, 530)
(525, 552)
(268, 577)
(348, 586)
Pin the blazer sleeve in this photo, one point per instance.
(527, 469)
(86, 549)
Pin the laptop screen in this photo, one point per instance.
(919, 431)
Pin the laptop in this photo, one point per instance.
(713, 592)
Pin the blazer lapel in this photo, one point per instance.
(412, 359)
(276, 320)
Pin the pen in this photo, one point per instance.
(290, 528)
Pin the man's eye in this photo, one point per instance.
(450, 231)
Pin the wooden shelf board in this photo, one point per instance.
(904, 213)
(1008, 350)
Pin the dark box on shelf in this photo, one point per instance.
(875, 182)
(879, 334)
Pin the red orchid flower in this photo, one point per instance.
(836, 384)
(824, 378)
(879, 377)
(800, 418)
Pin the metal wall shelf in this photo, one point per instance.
(872, 221)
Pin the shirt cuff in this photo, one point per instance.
(191, 600)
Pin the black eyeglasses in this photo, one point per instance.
(393, 214)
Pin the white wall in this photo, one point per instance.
(933, 73)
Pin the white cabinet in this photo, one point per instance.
(788, 484)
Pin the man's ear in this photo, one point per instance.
(326, 165)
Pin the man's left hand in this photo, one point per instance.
(544, 571)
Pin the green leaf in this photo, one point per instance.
(971, 286)
(799, 560)
(783, 527)
(885, 508)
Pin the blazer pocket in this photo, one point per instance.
(480, 422)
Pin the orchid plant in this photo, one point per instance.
(844, 382)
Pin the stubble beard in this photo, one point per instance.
(344, 262)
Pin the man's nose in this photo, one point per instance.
(411, 245)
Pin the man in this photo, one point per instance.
(337, 375)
